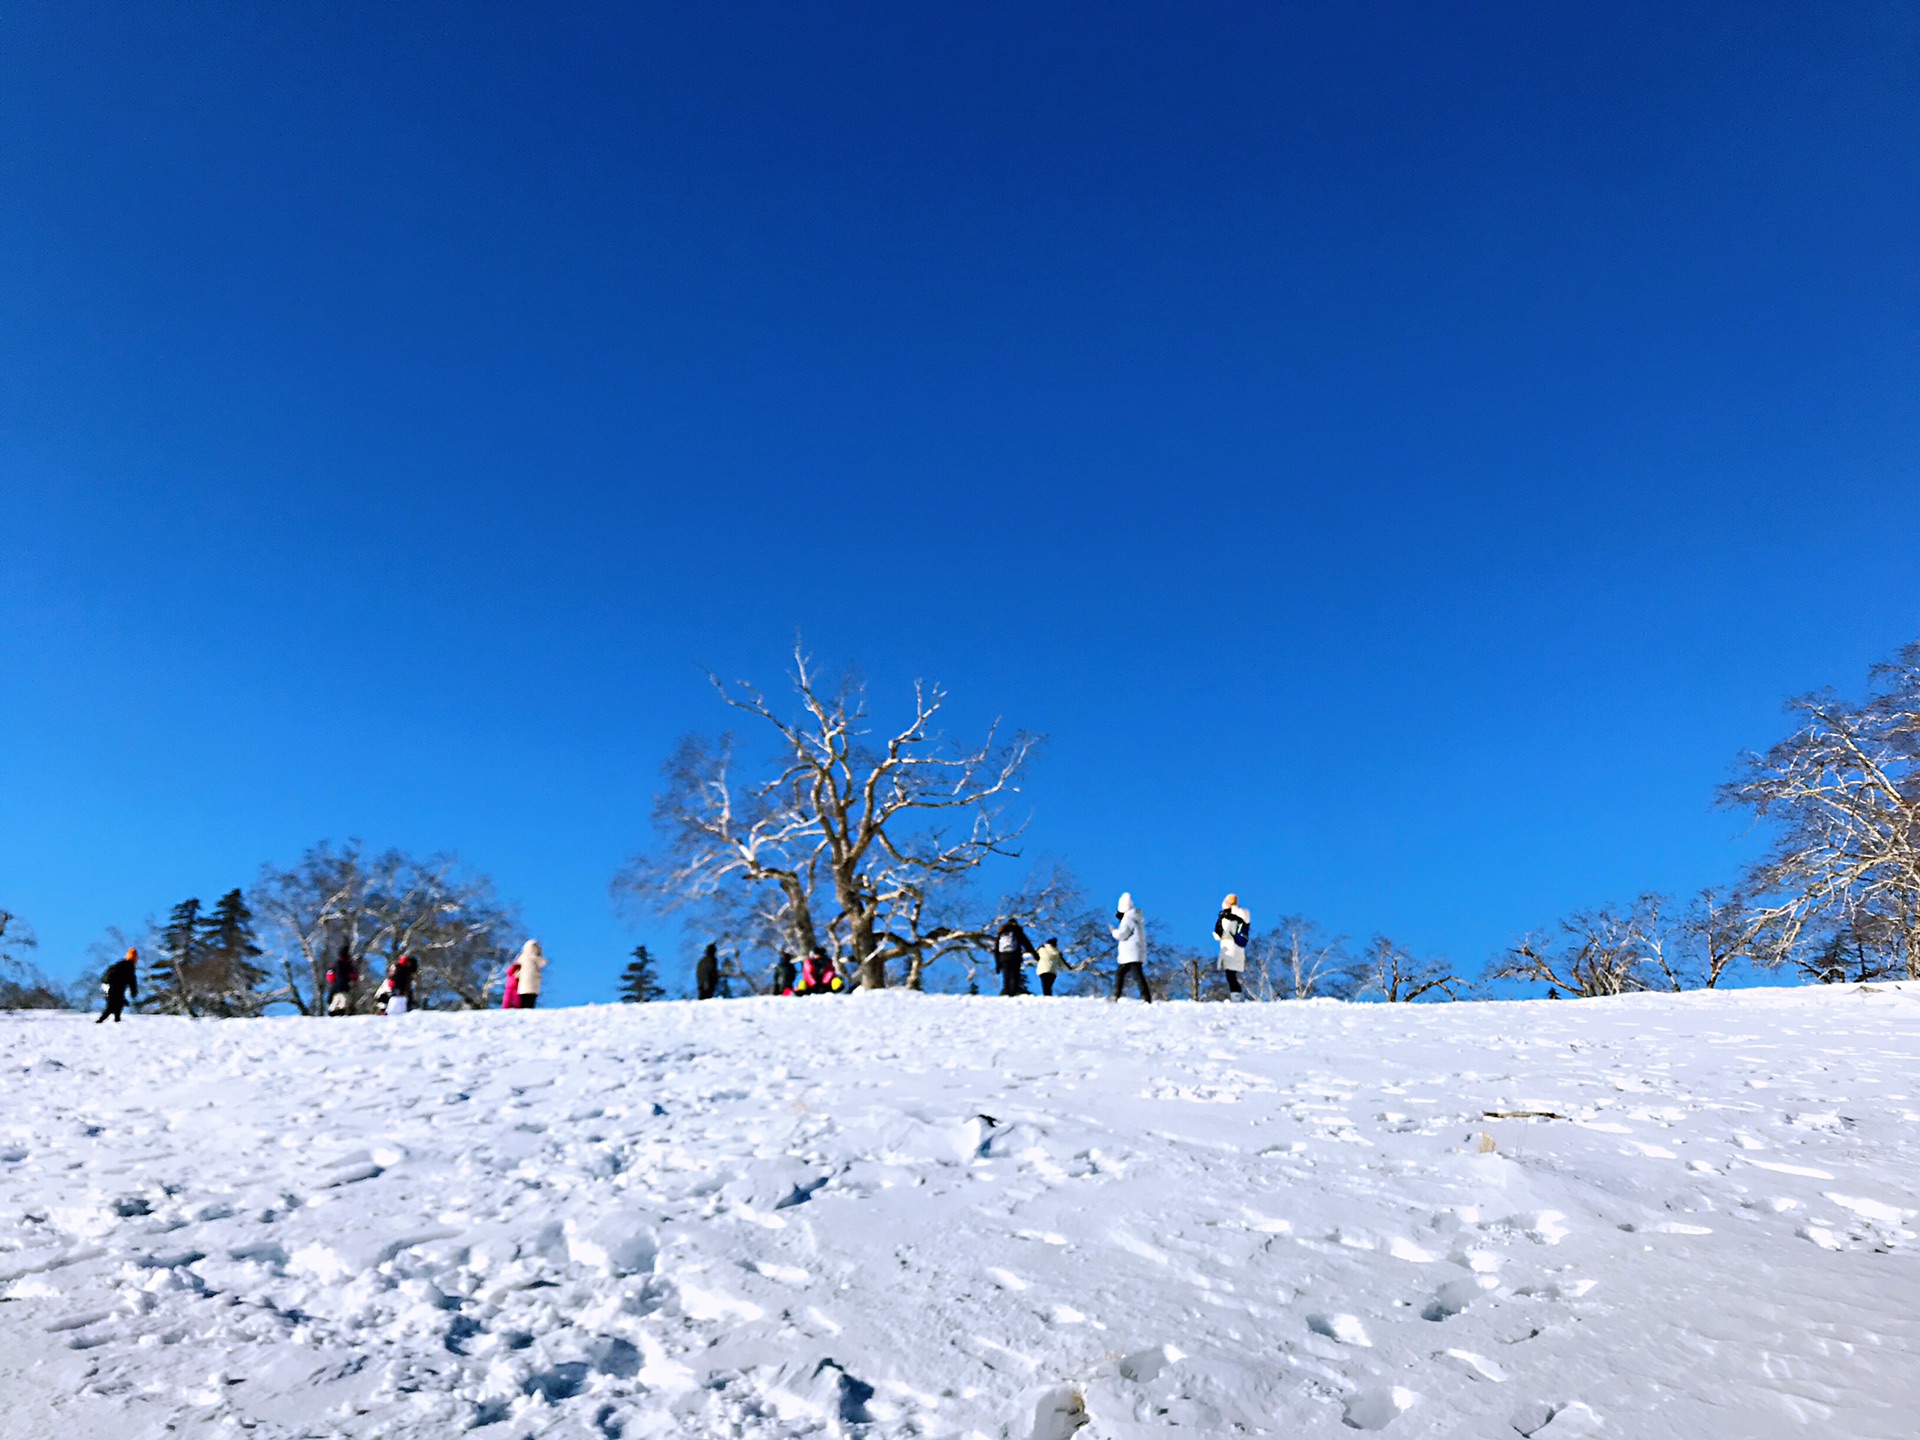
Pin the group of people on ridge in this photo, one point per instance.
(816, 974)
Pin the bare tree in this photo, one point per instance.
(1295, 960)
(1606, 951)
(1843, 791)
(1395, 974)
(1719, 931)
(381, 907)
(859, 841)
(22, 985)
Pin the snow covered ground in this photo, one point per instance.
(899, 1215)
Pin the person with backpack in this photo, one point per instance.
(1047, 964)
(1130, 935)
(706, 973)
(340, 982)
(121, 980)
(1010, 949)
(527, 967)
(1232, 929)
(396, 991)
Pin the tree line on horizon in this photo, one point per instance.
(873, 846)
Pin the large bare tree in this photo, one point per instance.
(1395, 974)
(853, 837)
(1604, 951)
(1843, 791)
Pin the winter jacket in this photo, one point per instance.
(1049, 958)
(341, 977)
(816, 973)
(706, 974)
(1231, 930)
(1131, 933)
(783, 976)
(528, 967)
(1011, 943)
(122, 976)
(400, 977)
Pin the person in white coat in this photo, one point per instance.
(526, 969)
(1232, 929)
(1131, 936)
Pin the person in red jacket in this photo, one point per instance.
(340, 982)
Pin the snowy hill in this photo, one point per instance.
(899, 1215)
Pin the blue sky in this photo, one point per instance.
(1399, 454)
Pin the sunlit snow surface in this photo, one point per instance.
(908, 1216)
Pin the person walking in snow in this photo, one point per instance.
(340, 980)
(1047, 964)
(1010, 949)
(1232, 929)
(527, 967)
(783, 974)
(121, 980)
(510, 987)
(1131, 936)
(706, 974)
(397, 989)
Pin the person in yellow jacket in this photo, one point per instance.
(1047, 963)
(526, 970)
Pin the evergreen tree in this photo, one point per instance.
(228, 949)
(638, 983)
(176, 966)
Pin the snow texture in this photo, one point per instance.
(899, 1215)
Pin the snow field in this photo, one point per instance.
(897, 1215)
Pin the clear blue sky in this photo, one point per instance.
(1399, 453)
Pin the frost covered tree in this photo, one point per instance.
(853, 838)
(1296, 960)
(1604, 951)
(22, 985)
(639, 984)
(381, 907)
(1842, 793)
(1395, 974)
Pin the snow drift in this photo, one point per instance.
(898, 1215)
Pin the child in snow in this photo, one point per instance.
(396, 991)
(510, 992)
(818, 977)
(783, 974)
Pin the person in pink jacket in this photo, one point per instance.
(510, 995)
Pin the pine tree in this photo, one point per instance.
(176, 966)
(638, 983)
(228, 948)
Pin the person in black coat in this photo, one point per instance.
(784, 974)
(121, 980)
(706, 974)
(1010, 947)
(340, 982)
